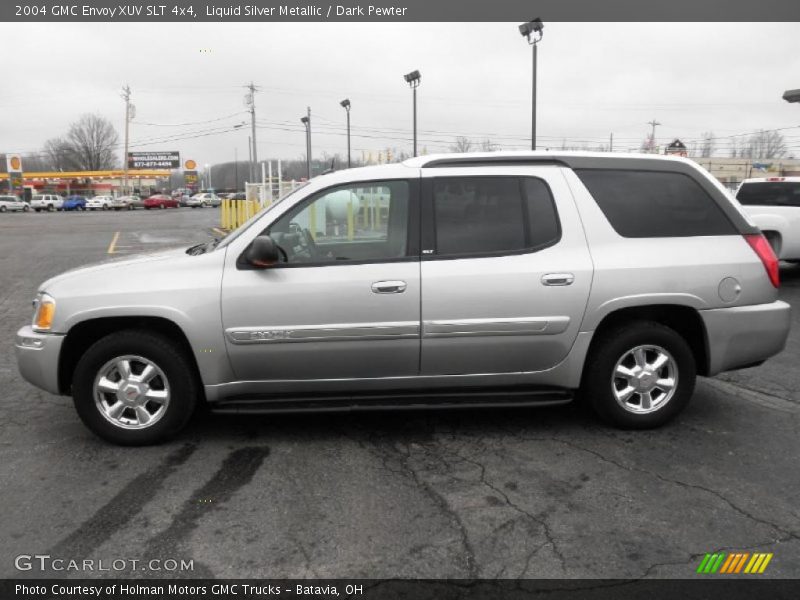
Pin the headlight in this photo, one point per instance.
(44, 309)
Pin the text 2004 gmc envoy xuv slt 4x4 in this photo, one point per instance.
(453, 280)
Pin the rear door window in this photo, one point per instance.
(641, 204)
(489, 215)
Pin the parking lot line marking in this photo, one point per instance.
(113, 243)
(218, 230)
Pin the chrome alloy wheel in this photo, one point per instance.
(131, 392)
(645, 379)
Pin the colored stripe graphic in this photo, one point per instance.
(734, 563)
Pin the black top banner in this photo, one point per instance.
(398, 10)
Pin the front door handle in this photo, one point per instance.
(558, 279)
(388, 287)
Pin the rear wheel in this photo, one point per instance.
(161, 206)
(130, 206)
(26, 208)
(134, 388)
(639, 375)
(3, 209)
(50, 208)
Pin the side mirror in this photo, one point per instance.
(263, 252)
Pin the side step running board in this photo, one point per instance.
(433, 399)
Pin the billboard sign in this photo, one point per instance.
(14, 169)
(154, 160)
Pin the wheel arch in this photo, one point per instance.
(685, 320)
(85, 333)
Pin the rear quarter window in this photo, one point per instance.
(642, 204)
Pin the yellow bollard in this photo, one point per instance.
(350, 221)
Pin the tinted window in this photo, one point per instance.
(478, 215)
(364, 221)
(655, 204)
(770, 193)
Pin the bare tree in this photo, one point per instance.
(463, 144)
(764, 144)
(648, 144)
(59, 155)
(488, 145)
(91, 141)
(708, 145)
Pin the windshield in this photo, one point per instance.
(238, 231)
(770, 193)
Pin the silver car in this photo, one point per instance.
(126, 203)
(455, 280)
(13, 203)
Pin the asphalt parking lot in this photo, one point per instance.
(507, 493)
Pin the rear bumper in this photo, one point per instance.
(37, 357)
(744, 335)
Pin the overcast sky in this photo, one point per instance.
(188, 82)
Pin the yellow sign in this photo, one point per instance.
(15, 163)
(190, 165)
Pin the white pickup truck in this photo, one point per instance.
(773, 204)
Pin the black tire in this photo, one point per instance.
(161, 206)
(38, 209)
(2, 209)
(49, 208)
(598, 384)
(130, 207)
(167, 356)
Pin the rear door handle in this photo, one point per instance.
(389, 287)
(558, 279)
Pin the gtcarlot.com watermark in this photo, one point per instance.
(45, 562)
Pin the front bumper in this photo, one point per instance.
(37, 357)
(744, 335)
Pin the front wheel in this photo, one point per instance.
(639, 375)
(3, 209)
(26, 208)
(134, 388)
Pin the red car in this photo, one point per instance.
(160, 201)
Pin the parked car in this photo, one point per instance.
(127, 202)
(498, 278)
(13, 203)
(99, 202)
(48, 202)
(161, 201)
(74, 203)
(773, 203)
(204, 199)
(182, 199)
(238, 196)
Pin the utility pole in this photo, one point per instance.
(250, 100)
(653, 124)
(611, 142)
(307, 122)
(130, 111)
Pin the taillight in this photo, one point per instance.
(761, 247)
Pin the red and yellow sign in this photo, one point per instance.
(190, 165)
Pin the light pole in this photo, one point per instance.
(208, 176)
(413, 79)
(533, 31)
(346, 105)
(307, 122)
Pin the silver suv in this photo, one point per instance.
(454, 280)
